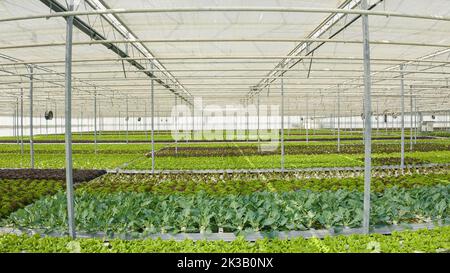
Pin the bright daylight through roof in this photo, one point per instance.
(224, 126)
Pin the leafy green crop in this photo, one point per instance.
(15, 194)
(294, 148)
(129, 212)
(220, 184)
(435, 240)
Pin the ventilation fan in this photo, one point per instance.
(48, 115)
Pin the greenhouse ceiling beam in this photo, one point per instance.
(246, 57)
(204, 89)
(348, 97)
(423, 59)
(325, 83)
(230, 9)
(238, 87)
(120, 26)
(93, 34)
(242, 40)
(431, 66)
(246, 62)
(37, 67)
(236, 70)
(320, 30)
(205, 77)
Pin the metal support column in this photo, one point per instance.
(193, 122)
(127, 118)
(56, 121)
(95, 121)
(145, 121)
(119, 124)
(247, 132)
(267, 117)
(415, 120)
(368, 125)
(257, 128)
(314, 121)
(201, 124)
(16, 116)
(21, 122)
(46, 120)
(351, 122)
(31, 119)
(81, 123)
(68, 122)
(14, 121)
(100, 118)
(40, 125)
(378, 119)
(307, 119)
(176, 126)
(152, 83)
(402, 118)
(339, 119)
(282, 123)
(410, 119)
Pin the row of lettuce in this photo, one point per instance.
(169, 135)
(435, 240)
(230, 149)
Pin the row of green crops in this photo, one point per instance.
(81, 148)
(435, 240)
(291, 161)
(132, 156)
(109, 156)
(86, 161)
(167, 135)
(216, 184)
(15, 194)
(211, 149)
(295, 149)
(130, 212)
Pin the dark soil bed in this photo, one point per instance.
(396, 161)
(50, 174)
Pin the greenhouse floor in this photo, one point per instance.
(226, 197)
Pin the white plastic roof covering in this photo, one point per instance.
(227, 81)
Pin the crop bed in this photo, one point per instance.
(435, 240)
(146, 204)
(147, 213)
(217, 156)
(50, 174)
(246, 183)
(294, 149)
(240, 204)
(15, 194)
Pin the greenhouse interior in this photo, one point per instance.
(224, 126)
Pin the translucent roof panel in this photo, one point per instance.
(222, 55)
